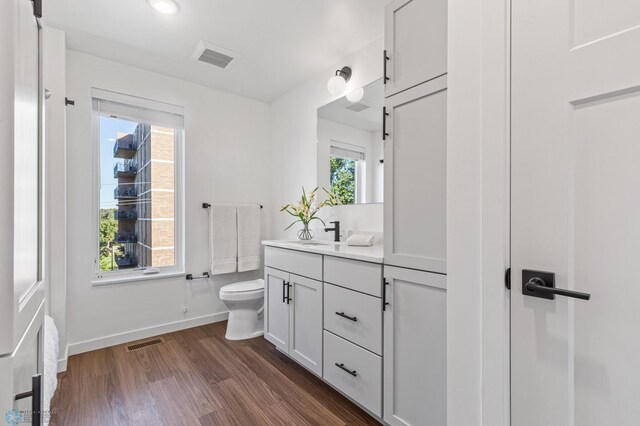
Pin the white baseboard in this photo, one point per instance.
(143, 333)
(62, 362)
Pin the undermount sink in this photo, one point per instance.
(311, 243)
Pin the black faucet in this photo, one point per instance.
(336, 231)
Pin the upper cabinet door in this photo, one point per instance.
(415, 43)
(306, 323)
(276, 316)
(415, 155)
(23, 291)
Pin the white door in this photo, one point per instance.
(306, 323)
(415, 348)
(22, 292)
(576, 211)
(276, 320)
(415, 43)
(415, 178)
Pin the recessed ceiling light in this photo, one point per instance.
(168, 7)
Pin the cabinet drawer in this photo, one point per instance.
(297, 262)
(364, 385)
(360, 276)
(365, 326)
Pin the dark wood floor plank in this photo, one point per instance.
(197, 377)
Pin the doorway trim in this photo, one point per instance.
(478, 206)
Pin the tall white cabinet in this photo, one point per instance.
(21, 287)
(415, 238)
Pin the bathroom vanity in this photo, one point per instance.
(340, 313)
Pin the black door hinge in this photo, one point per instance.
(68, 101)
(507, 279)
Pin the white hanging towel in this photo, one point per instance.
(223, 239)
(249, 247)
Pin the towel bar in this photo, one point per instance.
(207, 205)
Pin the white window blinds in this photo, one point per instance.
(347, 153)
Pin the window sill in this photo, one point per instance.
(133, 278)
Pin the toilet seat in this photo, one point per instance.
(244, 290)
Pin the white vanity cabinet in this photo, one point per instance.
(415, 43)
(353, 330)
(415, 348)
(415, 178)
(293, 305)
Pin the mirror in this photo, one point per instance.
(350, 147)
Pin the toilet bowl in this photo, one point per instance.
(245, 301)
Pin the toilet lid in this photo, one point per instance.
(243, 286)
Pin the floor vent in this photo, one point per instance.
(145, 344)
(215, 55)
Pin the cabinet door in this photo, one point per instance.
(415, 42)
(18, 368)
(276, 318)
(22, 292)
(415, 348)
(306, 323)
(415, 178)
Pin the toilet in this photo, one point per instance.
(245, 301)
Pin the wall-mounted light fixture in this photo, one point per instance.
(338, 82)
(356, 95)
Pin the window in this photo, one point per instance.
(139, 187)
(346, 170)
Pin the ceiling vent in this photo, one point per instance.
(214, 55)
(357, 107)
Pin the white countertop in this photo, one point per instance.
(329, 248)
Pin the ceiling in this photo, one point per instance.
(282, 42)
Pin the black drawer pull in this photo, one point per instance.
(342, 367)
(342, 314)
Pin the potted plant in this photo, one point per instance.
(305, 210)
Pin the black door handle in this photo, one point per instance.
(288, 292)
(343, 368)
(342, 314)
(36, 399)
(543, 284)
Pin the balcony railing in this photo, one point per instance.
(125, 168)
(120, 193)
(125, 147)
(125, 214)
(127, 261)
(125, 238)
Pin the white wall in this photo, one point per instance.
(227, 159)
(293, 141)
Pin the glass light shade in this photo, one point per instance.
(356, 95)
(168, 7)
(336, 85)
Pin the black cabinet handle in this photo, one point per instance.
(342, 314)
(288, 292)
(385, 58)
(384, 295)
(284, 294)
(343, 368)
(36, 399)
(385, 114)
